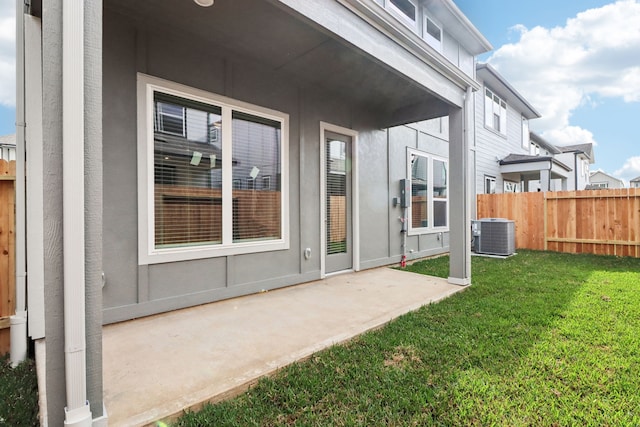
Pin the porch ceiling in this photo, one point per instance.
(279, 41)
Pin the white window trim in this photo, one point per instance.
(503, 123)
(414, 231)
(525, 133)
(147, 253)
(432, 41)
(398, 13)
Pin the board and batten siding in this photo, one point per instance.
(134, 289)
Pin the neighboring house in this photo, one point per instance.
(635, 183)
(601, 180)
(8, 147)
(508, 158)
(185, 155)
(578, 157)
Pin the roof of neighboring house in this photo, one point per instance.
(586, 149)
(636, 179)
(606, 175)
(503, 88)
(544, 143)
(8, 139)
(512, 159)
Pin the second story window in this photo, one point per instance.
(433, 33)
(495, 112)
(525, 133)
(407, 10)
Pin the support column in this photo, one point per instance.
(460, 196)
(545, 176)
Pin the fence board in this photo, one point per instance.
(7, 250)
(603, 222)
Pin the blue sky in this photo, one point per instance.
(576, 61)
(580, 69)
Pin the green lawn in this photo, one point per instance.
(18, 394)
(538, 339)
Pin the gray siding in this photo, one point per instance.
(492, 146)
(133, 290)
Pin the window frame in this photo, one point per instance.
(397, 12)
(490, 114)
(525, 133)
(432, 41)
(414, 231)
(147, 253)
(491, 179)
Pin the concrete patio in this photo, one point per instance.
(155, 367)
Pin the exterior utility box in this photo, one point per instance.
(494, 236)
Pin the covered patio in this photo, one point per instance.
(156, 367)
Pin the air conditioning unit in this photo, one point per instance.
(494, 236)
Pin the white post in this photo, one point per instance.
(18, 321)
(461, 194)
(77, 411)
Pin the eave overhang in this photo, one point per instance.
(503, 88)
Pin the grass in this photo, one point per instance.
(18, 394)
(539, 339)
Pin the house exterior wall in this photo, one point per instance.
(578, 178)
(450, 48)
(492, 146)
(599, 179)
(133, 290)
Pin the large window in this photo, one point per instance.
(495, 112)
(196, 151)
(429, 192)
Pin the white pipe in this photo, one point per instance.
(77, 411)
(18, 321)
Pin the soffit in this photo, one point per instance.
(273, 39)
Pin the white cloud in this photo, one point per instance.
(560, 69)
(569, 135)
(7, 53)
(630, 169)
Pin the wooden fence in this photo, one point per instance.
(604, 222)
(7, 250)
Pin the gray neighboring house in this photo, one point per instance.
(508, 158)
(602, 180)
(579, 157)
(635, 182)
(187, 154)
(8, 147)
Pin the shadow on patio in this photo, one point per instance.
(157, 366)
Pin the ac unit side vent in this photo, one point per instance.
(494, 236)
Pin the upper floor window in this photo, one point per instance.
(495, 112)
(525, 133)
(407, 10)
(433, 33)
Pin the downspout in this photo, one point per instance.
(77, 411)
(575, 171)
(18, 322)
